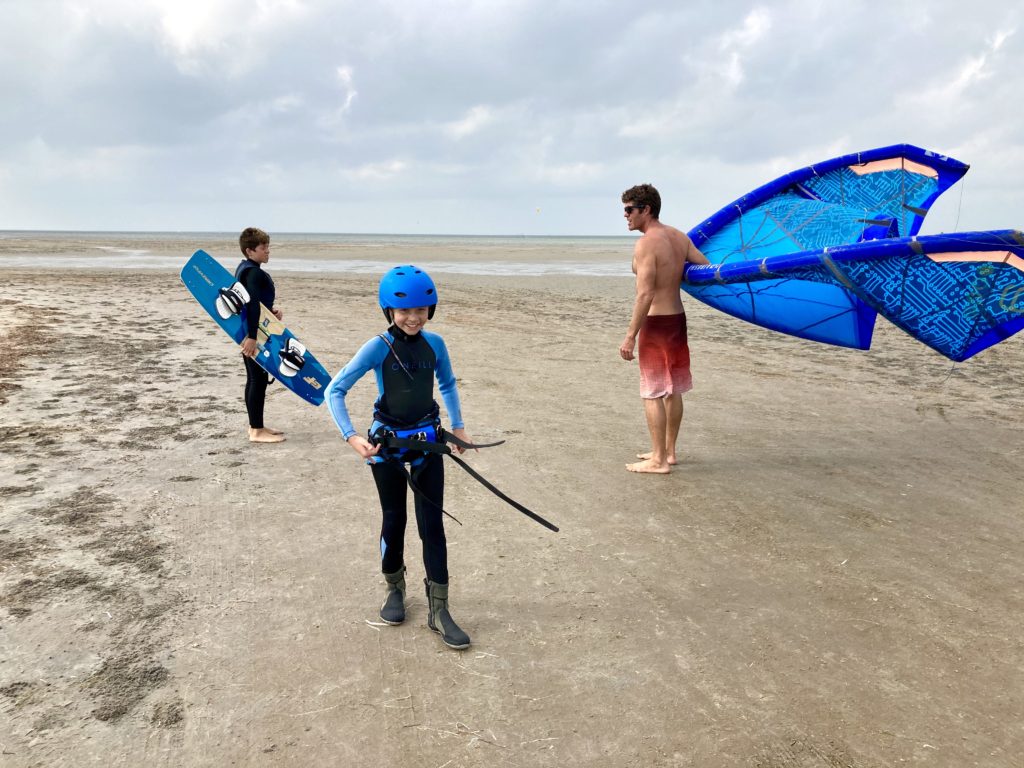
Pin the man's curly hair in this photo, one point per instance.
(644, 194)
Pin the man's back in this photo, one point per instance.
(666, 249)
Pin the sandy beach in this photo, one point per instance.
(830, 577)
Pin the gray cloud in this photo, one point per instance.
(468, 117)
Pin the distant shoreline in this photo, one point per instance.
(337, 254)
(316, 236)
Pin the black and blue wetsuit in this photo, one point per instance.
(261, 291)
(406, 367)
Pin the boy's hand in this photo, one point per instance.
(277, 313)
(463, 435)
(249, 347)
(363, 447)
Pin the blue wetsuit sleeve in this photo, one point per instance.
(370, 356)
(446, 381)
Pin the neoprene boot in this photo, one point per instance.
(440, 620)
(393, 609)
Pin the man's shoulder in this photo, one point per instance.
(675, 234)
(661, 238)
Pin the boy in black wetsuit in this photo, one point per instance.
(255, 246)
(406, 359)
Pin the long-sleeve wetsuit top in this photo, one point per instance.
(405, 379)
(261, 291)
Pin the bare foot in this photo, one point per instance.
(649, 455)
(649, 467)
(264, 436)
(274, 431)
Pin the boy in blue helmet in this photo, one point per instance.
(406, 359)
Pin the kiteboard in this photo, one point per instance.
(278, 351)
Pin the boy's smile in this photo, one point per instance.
(411, 321)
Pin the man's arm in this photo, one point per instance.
(693, 254)
(646, 280)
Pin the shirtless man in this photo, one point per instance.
(658, 318)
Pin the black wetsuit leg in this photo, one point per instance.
(256, 380)
(429, 478)
(392, 490)
(391, 485)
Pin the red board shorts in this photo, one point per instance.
(664, 356)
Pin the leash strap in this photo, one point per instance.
(405, 370)
(448, 437)
(442, 448)
(480, 479)
(419, 492)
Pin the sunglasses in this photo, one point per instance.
(630, 208)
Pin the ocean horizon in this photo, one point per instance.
(360, 253)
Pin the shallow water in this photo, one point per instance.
(355, 254)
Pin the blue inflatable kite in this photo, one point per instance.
(819, 252)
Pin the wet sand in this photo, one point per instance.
(830, 577)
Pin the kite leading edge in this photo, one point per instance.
(819, 252)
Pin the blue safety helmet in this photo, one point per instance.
(406, 287)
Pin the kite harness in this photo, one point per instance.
(402, 445)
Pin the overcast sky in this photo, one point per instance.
(489, 117)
